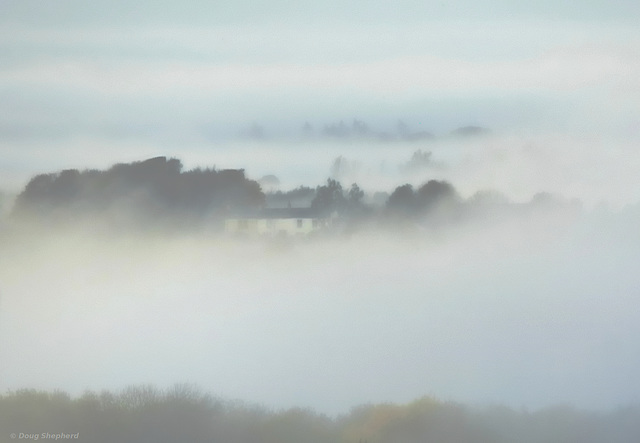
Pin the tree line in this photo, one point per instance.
(184, 413)
(357, 129)
(158, 191)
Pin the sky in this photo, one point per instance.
(522, 313)
(119, 81)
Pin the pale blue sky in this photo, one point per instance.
(169, 75)
(42, 12)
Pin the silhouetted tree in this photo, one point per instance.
(438, 203)
(435, 192)
(329, 198)
(183, 413)
(356, 210)
(355, 195)
(360, 128)
(419, 160)
(337, 130)
(402, 201)
(150, 191)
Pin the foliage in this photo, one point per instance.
(157, 192)
(148, 191)
(184, 413)
(434, 199)
(329, 198)
(298, 197)
(402, 201)
(419, 161)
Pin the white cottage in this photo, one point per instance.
(277, 222)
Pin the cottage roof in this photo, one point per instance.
(274, 213)
(288, 213)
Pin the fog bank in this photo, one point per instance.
(525, 312)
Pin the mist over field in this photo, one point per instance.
(523, 310)
(517, 287)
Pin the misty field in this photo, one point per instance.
(533, 308)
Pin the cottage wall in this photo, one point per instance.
(272, 226)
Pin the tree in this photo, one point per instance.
(356, 209)
(435, 192)
(339, 167)
(419, 160)
(438, 202)
(355, 195)
(360, 128)
(329, 198)
(151, 191)
(402, 201)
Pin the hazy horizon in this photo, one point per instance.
(85, 87)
